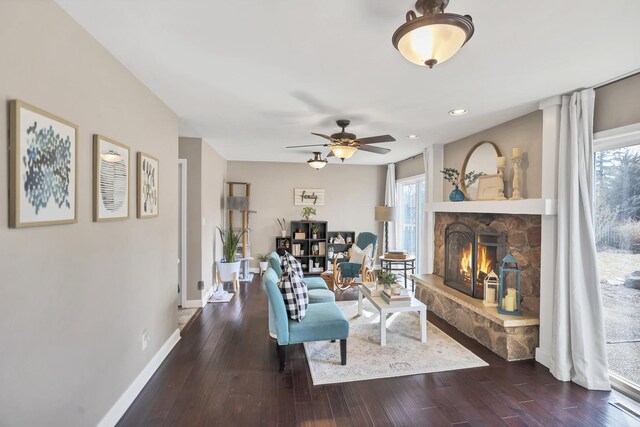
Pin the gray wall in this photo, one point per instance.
(617, 104)
(206, 174)
(75, 298)
(524, 132)
(352, 192)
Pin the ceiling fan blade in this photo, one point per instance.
(377, 150)
(310, 145)
(323, 136)
(376, 139)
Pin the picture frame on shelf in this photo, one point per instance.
(111, 188)
(41, 191)
(148, 186)
(489, 187)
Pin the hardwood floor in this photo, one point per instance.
(224, 372)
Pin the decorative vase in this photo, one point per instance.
(227, 270)
(456, 195)
(283, 233)
(314, 236)
(264, 265)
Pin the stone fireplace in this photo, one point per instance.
(469, 256)
(467, 247)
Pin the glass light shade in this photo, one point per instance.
(343, 151)
(432, 39)
(439, 42)
(317, 164)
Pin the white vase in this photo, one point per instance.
(226, 270)
(283, 233)
(264, 265)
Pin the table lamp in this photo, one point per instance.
(386, 214)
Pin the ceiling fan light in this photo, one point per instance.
(317, 162)
(433, 38)
(343, 151)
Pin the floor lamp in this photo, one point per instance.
(386, 214)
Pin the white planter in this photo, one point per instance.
(283, 233)
(226, 270)
(264, 266)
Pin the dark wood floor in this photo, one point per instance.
(224, 372)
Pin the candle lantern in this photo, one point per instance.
(491, 283)
(509, 287)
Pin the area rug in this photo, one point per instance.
(404, 354)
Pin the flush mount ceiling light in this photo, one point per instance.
(412, 136)
(458, 112)
(317, 162)
(343, 151)
(434, 37)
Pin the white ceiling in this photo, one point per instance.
(252, 77)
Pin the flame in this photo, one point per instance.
(484, 263)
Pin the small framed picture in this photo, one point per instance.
(148, 186)
(42, 167)
(110, 180)
(488, 187)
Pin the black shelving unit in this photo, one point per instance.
(310, 250)
(348, 236)
(283, 244)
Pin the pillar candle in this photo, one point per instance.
(502, 161)
(516, 152)
(491, 295)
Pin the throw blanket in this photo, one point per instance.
(293, 288)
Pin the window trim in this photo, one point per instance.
(420, 244)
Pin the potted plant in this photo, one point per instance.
(387, 279)
(315, 228)
(453, 176)
(283, 229)
(264, 262)
(308, 212)
(228, 265)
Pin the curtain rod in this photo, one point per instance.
(409, 158)
(616, 79)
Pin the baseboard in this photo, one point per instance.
(543, 357)
(254, 270)
(199, 303)
(120, 407)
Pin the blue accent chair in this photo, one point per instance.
(317, 289)
(344, 273)
(324, 321)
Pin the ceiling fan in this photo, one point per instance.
(344, 144)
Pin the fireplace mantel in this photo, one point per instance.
(514, 207)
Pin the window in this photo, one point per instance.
(411, 196)
(617, 230)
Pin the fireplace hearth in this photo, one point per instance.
(469, 256)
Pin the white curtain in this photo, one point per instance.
(390, 200)
(579, 350)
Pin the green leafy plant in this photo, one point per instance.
(308, 211)
(453, 176)
(230, 239)
(386, 278)
(263, 258)
(315, 228)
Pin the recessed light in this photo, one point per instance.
(458, 112)
(412, 136)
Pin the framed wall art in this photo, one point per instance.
(308, 197)
(42, 167)
(110, 179)
(488, 187)
(148, 186)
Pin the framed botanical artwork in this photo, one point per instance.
(488, 187)
(148, 186)
(42, 167)
(110, 179)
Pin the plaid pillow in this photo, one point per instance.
(293, 288)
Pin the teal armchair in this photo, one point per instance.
(344, 273)
(324, 321)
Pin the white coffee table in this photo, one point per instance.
(384, 308)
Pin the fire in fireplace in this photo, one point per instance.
(470, 256)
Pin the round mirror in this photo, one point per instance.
(481, 159)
